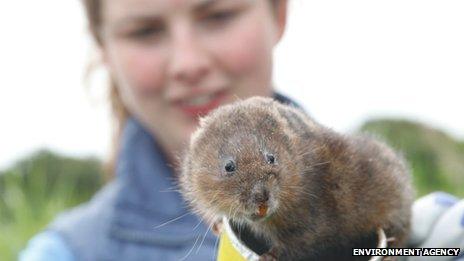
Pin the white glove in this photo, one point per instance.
(438, 221)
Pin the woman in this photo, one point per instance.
(169, 61)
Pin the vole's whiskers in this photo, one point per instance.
(173, 180)
(197, 225)
(230, 211)
(312, 168)
(290, 189)
(172, 220)
(320, 163)
(314, 196)
(169, 190)
(191, 249)
(237, 221)
(204, 236)
(234, 215)
(304, 152)
(216, 247)
(214, 197)
(237, 98)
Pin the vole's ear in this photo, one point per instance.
(194, 137)
(202, 121)
(260, 100)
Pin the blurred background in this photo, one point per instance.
(394, 68)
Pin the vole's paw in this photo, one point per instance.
(217, 227)
(267, 257)
(391, 239)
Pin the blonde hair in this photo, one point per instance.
(119, 112)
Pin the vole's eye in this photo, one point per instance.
(230, 166)
(270, 158)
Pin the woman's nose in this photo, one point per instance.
(189, 62)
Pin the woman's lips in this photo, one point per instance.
(202, 104)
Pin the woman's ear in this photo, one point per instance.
(105, 58)
(103, 55)
(281, 17)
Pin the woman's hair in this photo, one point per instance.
(93, 11)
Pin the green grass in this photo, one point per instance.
(436, 159)
(34, 190)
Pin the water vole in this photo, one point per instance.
(303, 188)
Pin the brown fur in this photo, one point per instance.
(327, 192)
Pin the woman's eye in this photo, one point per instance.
(230, 166)
(146, 32)
(219, 16)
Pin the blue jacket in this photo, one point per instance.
(137, 216)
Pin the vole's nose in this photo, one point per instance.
(261, 196)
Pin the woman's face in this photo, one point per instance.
(174, 60)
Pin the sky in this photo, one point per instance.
(344, 61)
